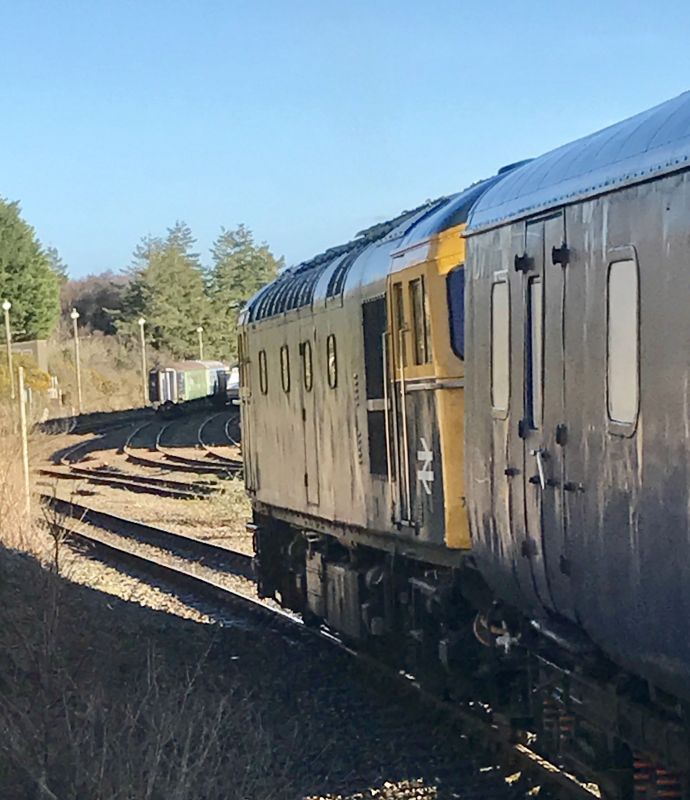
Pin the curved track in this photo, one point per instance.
(161, 457)
(163, 487)
(222, 427)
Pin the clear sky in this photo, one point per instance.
(305, 119)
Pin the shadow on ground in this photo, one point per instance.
(102, 697)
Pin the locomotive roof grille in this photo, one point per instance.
(650, 144)
(337, 279)
(294, 287)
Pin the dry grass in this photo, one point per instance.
(95, 707)
(87, 712)
(14, 523)
(110, 371)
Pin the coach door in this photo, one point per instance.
(541, 272)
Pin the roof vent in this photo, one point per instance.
(514, 165)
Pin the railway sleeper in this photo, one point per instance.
(438, 623)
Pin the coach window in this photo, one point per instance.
(285, 368)
(623, 342)
(263, 372)
(307, 376)
(399, 320)
(455, 289)
(420, 322)
(331, 361)
(500, 343)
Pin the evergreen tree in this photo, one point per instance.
(240, 268)
(143, 252)
(181, 239)
(26, 277)
(57, 264)
(167, 289)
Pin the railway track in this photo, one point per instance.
(477, 723)
(163, 487)
(224, 431)
(215, 555)
(166, 460)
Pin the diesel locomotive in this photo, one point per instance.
(466, 437)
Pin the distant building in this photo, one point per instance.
(36, 348)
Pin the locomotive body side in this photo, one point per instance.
(352, 427)
(353, 404)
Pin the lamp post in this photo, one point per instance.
(200, 331)
(6, 306)
(144, 386)
(74, 314)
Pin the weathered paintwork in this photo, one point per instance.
(379, 450)
(604, 542)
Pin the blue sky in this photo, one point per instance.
(305, 119)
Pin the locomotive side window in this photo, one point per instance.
(535, 362)
(331, 361)
(455, 289)
(285, 367)
(623, 390)
(263, 372)
(307, 375)
(500, 346)
(420, 322)
(399, 319)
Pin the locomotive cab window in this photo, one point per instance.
(399, 322)
(307, 375)
(285, 367)
(500, 346)
(455, 289)
(421, 333)
(622, 301)
(263, 372)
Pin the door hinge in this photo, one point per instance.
(561, 434)
(560, 255)
(528, 548)
(523, 263)
(304, 415)
(571, 486)
(522, 428)
(306, 480)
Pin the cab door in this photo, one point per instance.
(309, 421)
(542, 428)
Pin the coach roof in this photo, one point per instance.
(642, 147)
